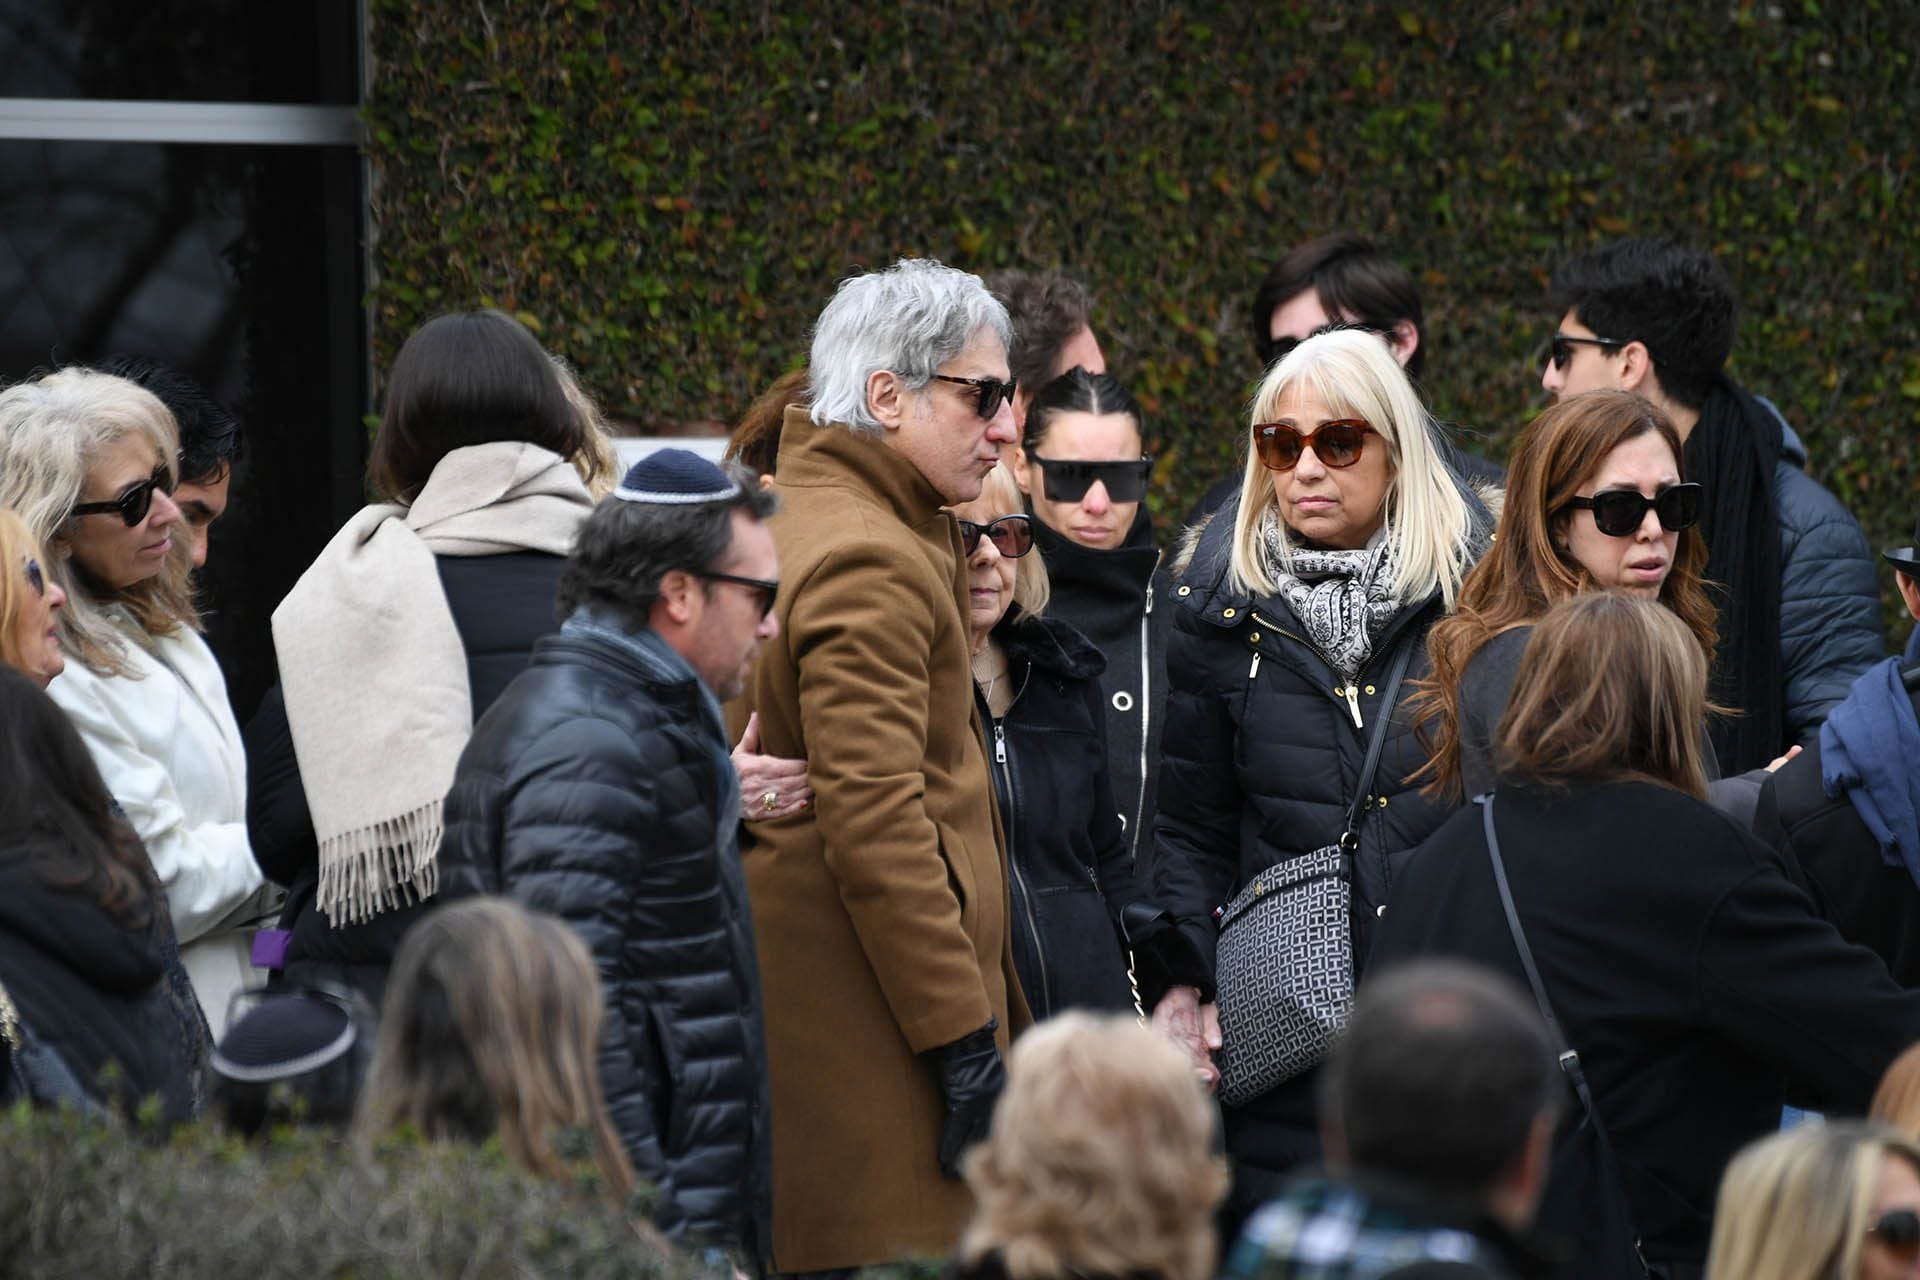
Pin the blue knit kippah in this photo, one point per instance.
(675, 476)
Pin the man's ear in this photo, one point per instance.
(886, 398)
(1636, 370)
(1909, 591)
(1403, 340)
(676, 605)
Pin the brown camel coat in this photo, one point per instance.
(881, 914)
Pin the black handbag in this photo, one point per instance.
(1583, 1174)
(1283, 965)
(35, 1071)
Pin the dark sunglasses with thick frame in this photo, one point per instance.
(1337, 443)
(1011, 536)
(1068, 479)
(133, 505)
(993, 391)
(1618, 512)
(36, 578)
(1560, 348)
(767, 589)
(1899, 1231)
(1279, 349)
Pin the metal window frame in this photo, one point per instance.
(217, 123)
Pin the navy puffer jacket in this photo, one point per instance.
(1263, 751)
(591, 790)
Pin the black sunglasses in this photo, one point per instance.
(133, 505)
(1560, 347)
(1337, 444)
(992, 391)
(1618, 512)
(1899, 1231)
(1067, 480)
(1012, 536)
(1279, 349)
(36, 579)
(766, 589)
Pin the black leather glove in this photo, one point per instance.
(970, 1076)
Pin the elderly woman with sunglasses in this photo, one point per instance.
(30, 604)
(88, 460)
(1036, 681)
(1296, 605)
(1082, 466)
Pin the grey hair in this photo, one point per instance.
(625, 548)
(909, 319)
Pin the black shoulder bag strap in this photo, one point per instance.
(1376, 743)
(1569, 1056)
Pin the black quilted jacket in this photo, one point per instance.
(596, 788)
(1261, 759)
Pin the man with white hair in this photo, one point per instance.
(881, 905)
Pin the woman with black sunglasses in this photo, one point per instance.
(1036, 681)
(89, 461)
(1082, 468)
(1820, 1202)
(1596, 500)
(1296, 605)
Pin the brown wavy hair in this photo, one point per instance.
(491, 1028)
(1525, 573)
(1612, 687)
(1101, 1160)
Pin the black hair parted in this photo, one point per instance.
(1077, 391)
(1675, 300)
(625, 548)
(211, 442)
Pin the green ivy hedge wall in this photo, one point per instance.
(668, 192)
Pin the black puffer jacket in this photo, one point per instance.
(95, 993)
(501, 605)
(598, 788)
(1265, 743)
(1066, 847)
(1118, 600)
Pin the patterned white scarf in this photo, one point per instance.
(1344, 599)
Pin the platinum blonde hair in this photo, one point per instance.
(909, 319)
(1001, 496)
(1798, 1203)
(1354, 375)
(52, 431)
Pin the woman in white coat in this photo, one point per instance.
(90, 461)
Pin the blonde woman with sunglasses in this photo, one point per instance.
(89, 461)
(1820, 1202)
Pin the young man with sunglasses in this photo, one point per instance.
(1800, 617)
(599, 787)
(881, 911)
(1052, 332)
(1342, 280)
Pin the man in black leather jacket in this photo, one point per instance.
(598, 787)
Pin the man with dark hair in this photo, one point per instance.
(210, 443)
(1846, 811)
(1052, 332)
(598, 787)
(1342, 280)
(1800, 609)
(1438, 1107)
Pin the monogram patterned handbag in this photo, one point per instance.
(1283, 965)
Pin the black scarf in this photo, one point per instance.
(1732, 451)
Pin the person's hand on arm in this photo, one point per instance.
(770, 786)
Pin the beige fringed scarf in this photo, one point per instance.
(375, 674)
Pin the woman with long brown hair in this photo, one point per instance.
(492, 1029)
(1688, 972)
(1595, 501)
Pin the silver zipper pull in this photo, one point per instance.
(1353, 704)
(1254, 670)
(999, 744)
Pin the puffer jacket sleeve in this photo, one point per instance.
(1830, 625)
(1196, 834)
(561, 832)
